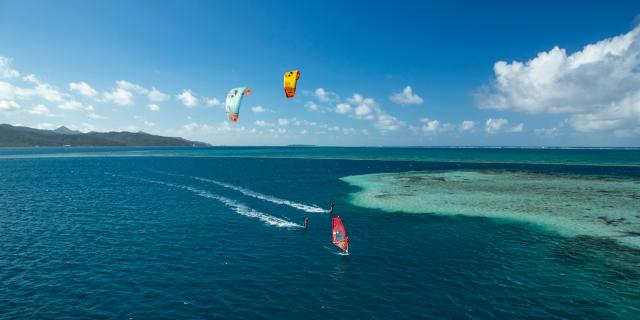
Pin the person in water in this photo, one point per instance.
(306, 222)
(332, 205)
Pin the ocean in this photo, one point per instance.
(435, 233)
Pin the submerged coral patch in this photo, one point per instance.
(570, 204)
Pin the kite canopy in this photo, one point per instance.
(232, 105)
(338, 234)
(290, 82)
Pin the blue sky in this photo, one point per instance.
(382, 73)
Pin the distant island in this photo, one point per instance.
(16, 136)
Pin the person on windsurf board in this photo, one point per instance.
(339, 234)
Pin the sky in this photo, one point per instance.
(373, 73)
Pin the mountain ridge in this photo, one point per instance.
(19, 136)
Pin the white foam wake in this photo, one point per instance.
(265, 197)
(238, 207)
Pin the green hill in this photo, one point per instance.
(14, 136)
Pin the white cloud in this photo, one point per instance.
(406, 96)
(598, 86)
(386, 123)
(5, 69)
(547, 132)
(71, 105)
(126, 85)
(153, 107)
(9, 106)
(324, 95)
(262, 123)
(96, 116)
(311, 106)
(517, 128)
(42, 90)
(493, 126)
(40, 110)
(364, 106)
(213, 102)
(343, 108)
(434, 126)
(46, 126)
(83, 88)
(144, 121)
(430, 126)
(187, 98)
(467, 125)
(258, 109)
(363, 111)
(283, 122)
(119, 96)
(348, 131)
(156, 95)
(31, 78)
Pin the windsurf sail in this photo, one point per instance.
(339, 235)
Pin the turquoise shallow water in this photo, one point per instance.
(173, 235)
(570, 204)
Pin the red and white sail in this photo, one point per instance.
(338, 234)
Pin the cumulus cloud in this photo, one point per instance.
(5, 69)
(153, 107)
(212, 102)
(71, 105)
(547, 132)
(9, 106)
(517, 128)
(493, 126)
(430, 126)
(156, 95)
(187, 98)
(598, 87)
(119, 96)
(258, 109)
(348, 131)
(324, 95)
(40, 110)
(145, 122)
(262, 123)
(95, 116)
(283, 122)
(467, 125)
(46, 126)
(311, 106)
(343, 108)
(31, 78)
(406, 96)
(82, 88)
(385, 123)
(364, 107)
(367, 108)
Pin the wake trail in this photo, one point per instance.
(238, 207)
(266, 197)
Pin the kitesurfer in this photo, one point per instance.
(332, 205)
(306, 222)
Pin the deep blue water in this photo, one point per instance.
(140, 238)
